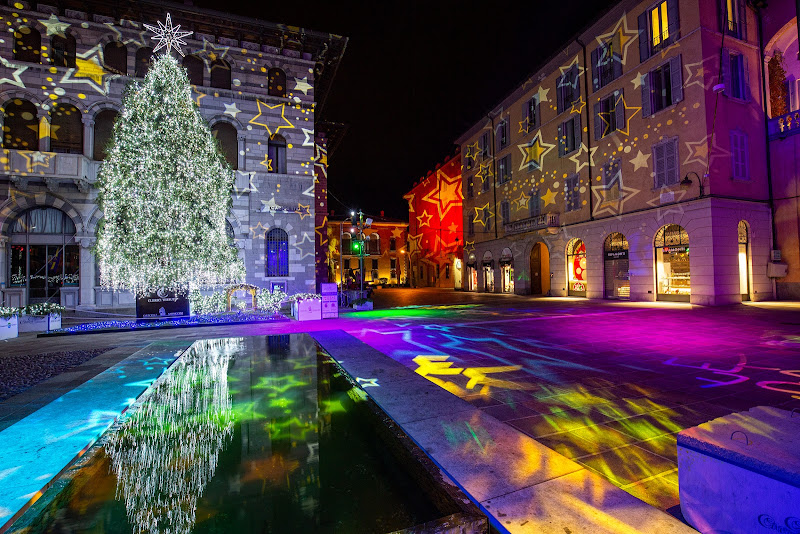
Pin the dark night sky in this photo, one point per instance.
(416, 75)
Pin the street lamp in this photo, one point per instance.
(686, 183)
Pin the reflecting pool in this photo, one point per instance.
(255, 434)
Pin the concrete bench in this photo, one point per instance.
(741, 472)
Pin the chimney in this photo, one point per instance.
(381, 214)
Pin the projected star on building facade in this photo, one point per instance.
(611, 197)
(578, 105)
(640, 161)
(424, 219)
(15, 79)
(231, 109)
(522, 201)
(564, 80)
(36, 159)
(472, 151)
(629, 113)
(89, 70)
(53, 26)
(483, 215)
(262, 111)
(168, 36)
(445, 194)
(211, 55)
(485, 172)
(583, 157)
(410, 198)
(621, 36)
(534, 152)
(549, 197)
(301, 84)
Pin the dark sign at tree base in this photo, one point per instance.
(162, 304)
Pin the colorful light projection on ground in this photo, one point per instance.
(165, 451)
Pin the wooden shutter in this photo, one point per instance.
(617, 59)
(674, 21)
(560, 92)
(537, 120)
(596, 68)
(644, 37)
(658, 164)
(671, 162)
(577, 132)
(599, 125)
(560, 139)
(646, 100)
(725, 75)
(677, 78)
(722, 11)
(742, 20)
(619, 109)
(745, 79)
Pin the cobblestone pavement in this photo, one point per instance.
(606, 384)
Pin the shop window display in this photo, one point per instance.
(615, 265)
(576, 268)
(673, 281)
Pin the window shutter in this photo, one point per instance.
(560, 93)
(677, 78)
(671, 163)
(742, 20)
(619, 109)
(596, 68)
(644, 37)
(577, 132)
(674, 21)
(726, 71)
(745, 79)
(617, 59)
(560, 140)
(599, 125)
(745, 157)
(646, 101)
(658, 164)
(537, 120)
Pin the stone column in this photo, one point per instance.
(3, 262)
(88, 137)
(87, 294)
(241, 152)
(44, 130)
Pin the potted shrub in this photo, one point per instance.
(41, 317)
(362, 304)
(307, 307)
(9, 322)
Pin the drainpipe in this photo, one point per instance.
(766, 125)
(494, 172)
(586, 74)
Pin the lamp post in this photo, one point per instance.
(686, 183)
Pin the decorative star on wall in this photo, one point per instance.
(697, 73)
(522, 201)
(259, 231)
(397, 233)
(15, 80)
(611, 198)
(309, 137)
(525, 126)
(578, 105)
(301, 84)
(534, 152)
(198, 96)
(262, 107)
(630, 112)
(485, 172)
(322, 230)
(267, 163)
(424, 219)
(270, 205)
(622, 34)
(231, 109)
(303, 210)
(410, 198)
(638, 80)
(698, 151)
(36, 159)
(367, 382)
(543, 94)
(581, 155)
(413, 242)
(562, 80)
(54, 26)
(445, 194)
(89, 70)
(251, 188)
(549, 197)
(483, 215)
(168, 36)
(210, 53)
(640, 161)
(674, 196)
(469, 246)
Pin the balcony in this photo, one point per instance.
(784, 125)
(548, 221)
(25, 166)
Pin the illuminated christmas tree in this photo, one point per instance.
(165, 190)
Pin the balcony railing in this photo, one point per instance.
(537, 222)
(784, 125)
(53, 168)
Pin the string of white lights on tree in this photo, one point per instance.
(165, 190)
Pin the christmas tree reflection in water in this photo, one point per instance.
(165, 451)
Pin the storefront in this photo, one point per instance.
(576, 268)
(744, 260)
(472, 273)
(615, 267)
(488, 272)
(673, 280)
(43, 255)
(507, 271)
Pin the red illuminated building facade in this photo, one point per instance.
(435, 227)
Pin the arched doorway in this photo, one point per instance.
(507, 271)
(472, 273)
(576, 268)
(540, 269)
(744, 260)
(615, 267)
(488, 272)
(673, 277)
(43, 254)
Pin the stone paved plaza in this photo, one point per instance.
(606, 384)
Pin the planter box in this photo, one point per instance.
(39, 323)
(363, 307)
(741, 472)
(307, 310)
(9, 328)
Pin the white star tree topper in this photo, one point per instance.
(168, 36)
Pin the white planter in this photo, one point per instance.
(307, 310)
(39, 323)
(9, 328)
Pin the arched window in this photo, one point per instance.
(220, 74)
(346, 239)
(194, 69)
(373, 244)
(27, 45)
(20, 128)
(62, 50)
(226, 135)
(744, 260)
(144, 57)
(103, 130)
(277, 253)
(673, 273)
(115, 57)
(277, 83)
(66, 129)
(276, 151)
(43, 254)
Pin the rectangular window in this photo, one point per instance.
(487, 181)
(393, 264)
(567, 90)
(569, 135)
(606, 62)
(739, 156)
(612, 176)
(484, 146)
(665, 163)
(530, 115)
(470, 191)
(502, 135)
(659, 27)
(733, 18)
(374, 265)
(572, 195)
(504, 169)
(662, 87)
(609, 115)
(534, 203)
(734, 74)
(392, 243)
(505, 211)
(447, 271)
(470, 225)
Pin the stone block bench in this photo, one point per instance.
(741, 472)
